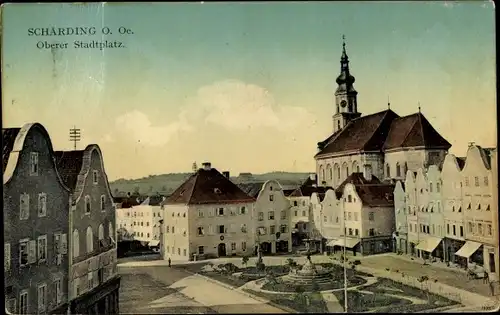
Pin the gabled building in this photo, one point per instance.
(145, 221)
(401, 218)
(36, 209)
(93, 282)
(385, 143)
(300, 211)
(207, 216)
(271, 216)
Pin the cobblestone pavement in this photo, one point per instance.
(162, 289)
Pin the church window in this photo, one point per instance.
(398, 170)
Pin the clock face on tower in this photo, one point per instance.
(343, 103)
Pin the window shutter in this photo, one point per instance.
(31, 251)
(64, 244)
(7, 256)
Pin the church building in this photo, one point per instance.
(381, 144)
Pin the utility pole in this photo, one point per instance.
(74, 136)
(344, 260)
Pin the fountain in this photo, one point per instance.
(309, 274)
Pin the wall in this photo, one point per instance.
(299, 212)
(453, 214)
(352, 211)
(56, 220)
(233, 222)
(176, 230)
(149, 216)
(330, 218)
(400, 210)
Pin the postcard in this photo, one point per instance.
(249, 157)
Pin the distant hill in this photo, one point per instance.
(165, 184)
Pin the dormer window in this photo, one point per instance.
(217, 190)
(95, 176)
(34, 163)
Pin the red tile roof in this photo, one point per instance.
(8, 138)
(383, 131)
(373, 193)
(69, 166)
(208, 187)
(414, 131)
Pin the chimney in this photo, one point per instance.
(207, 166)
(128, 194)
(367, 173)
(226, 174)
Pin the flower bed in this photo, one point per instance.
(362, 302)
(297, 302)
(281, 286)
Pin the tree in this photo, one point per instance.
(137, 191)
(116, 192)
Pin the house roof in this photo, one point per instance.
(69, 165)
(414, 131)
(356, 179)
(308, 187)
(208, 187)
(373, 193)
(288, 192)
(251, 189)
(8, 138)
(154, 200)
(384, 130)
(461, 162)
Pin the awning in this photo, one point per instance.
(349, 243)
(154, 243)
(468, 249)
(331, 243)
(429, 244)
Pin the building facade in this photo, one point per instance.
(36, 215)
(207, 216)
(401, 218)
(384, 142)
(93, 282)
(271, 217)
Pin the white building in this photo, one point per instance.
(207, 216)
(271, 216)
(146, 220)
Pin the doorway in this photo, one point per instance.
(221, 249)
(492, 262)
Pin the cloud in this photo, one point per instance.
(236, 105)
(135, 126)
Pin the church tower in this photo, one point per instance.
(346, 103)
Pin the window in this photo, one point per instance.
(271, 215)
(461, 231)
(447, 228)
(42, 297)
(388, 170)
(95, 176)
(243, 228)
(184, 252)
(233, 246)
(349, 214)
(284, 228)
(261, 216)
(459, 208)
(111, 232)
(356, 232)
(42, 248)
(103, 203)
(23, 252)
(23, 302)
(433, 229)
(147, 223)
(90, 240)
(349, 198)
(304, 213)
(295, 203)
(430, 187)
(272, 229)
(438, 187)
(350, 231)
(283, 214)
(243, 210)
(221, 229)
(34, 164)
(90, 279)
(411, 228)
(296, 213)
(243, 246)
(371, 232)
(6, 253)
(87, 204)
(24, 206)
(178, 251)
(371, 216)
(471, 228)
(201, 231)
(271, 198)
(476, 181)
(168, 229)
(467, 181)
(398, 170)
(76, 243)
(173, 229)
(478, 206)
(201, 250)
(42, 205)
(468, 207)
(101, 232)
(220, 211)
(480, 228)
(488, 208)
(454, 230)
(486, 181)
(324, 218)
(490, 231)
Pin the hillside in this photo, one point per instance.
(167, 183)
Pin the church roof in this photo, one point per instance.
(367, 133)
(8, 138)
(208, 187)
(414, 131)
(382, 131)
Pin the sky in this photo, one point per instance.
(248, 87)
